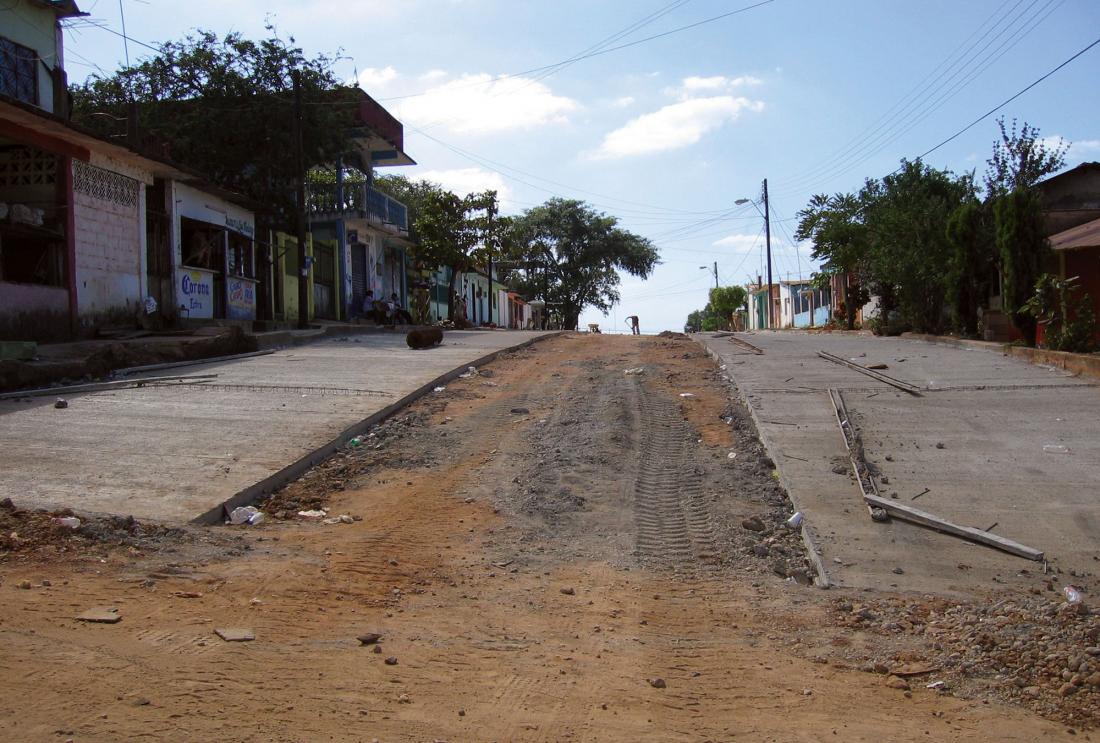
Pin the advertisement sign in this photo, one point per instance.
(195, 293)
(240, 299)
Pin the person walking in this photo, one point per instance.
(633, 321)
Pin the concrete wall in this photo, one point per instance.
(33, 312)
(109, 228)
(34, 26)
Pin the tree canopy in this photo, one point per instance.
(582, 252)
(223, 105)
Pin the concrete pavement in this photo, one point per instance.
(173, 453)
(993, 440)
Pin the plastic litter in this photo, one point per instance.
(246, 515)
(355, 441)
(471, 371)
(732, 455)
(636, 371)
(1072, 595)
(1055, 449)
(686, 394)
(795, 521)
(439, 389)
(61, 403)
(70, 521)
(313, 514)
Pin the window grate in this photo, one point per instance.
(104, 185)
(17, 71)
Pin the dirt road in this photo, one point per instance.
(551, 550)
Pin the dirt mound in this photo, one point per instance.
(23, 532)
(673, 335)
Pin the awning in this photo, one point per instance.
(1085, 235)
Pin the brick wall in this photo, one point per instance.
(109, 245)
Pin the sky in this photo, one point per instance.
(666, 134)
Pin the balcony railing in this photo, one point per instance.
(358, 199)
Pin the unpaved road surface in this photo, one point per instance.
(557, 550)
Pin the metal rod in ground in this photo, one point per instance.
(903, 386)
(100, 386)
(745, 345)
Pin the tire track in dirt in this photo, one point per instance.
(673, 521)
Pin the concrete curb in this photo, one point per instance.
(808, 541)
(1080, 364)
(947, 340)
(291, 472)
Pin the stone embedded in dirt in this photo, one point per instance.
(569, 591)
(404, 699)
(939, 445)
(486, 372)
(235, 634)
(391, 661)
(898, 571)
(1066, 689)
(840, 469)
(896, 682)
(657, 683)
(61, 403)
(369, 638)
(520, 411)
(877, 366)
(25, 584)
(188, 594)
(760, 550)
(752, 523)
(377, 650)
(101, 615)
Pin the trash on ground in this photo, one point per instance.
(439, 389)
(732, 455)
(471, 371)
(686, 394)
(313, 514)
(355, 441)
(61, 403)
(1073, 596)
(246, 515)
(795, 521)
(1056, 449)
(70, 521)
(634, 372)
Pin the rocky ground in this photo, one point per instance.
(584, 541)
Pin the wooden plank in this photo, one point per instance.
(923, 518)
(903, 386)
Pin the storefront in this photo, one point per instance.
(215, 252)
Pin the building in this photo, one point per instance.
(760, 318)
(802, 305)
(360, 234)
(94, 234)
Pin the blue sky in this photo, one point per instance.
(668, 133)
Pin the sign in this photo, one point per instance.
(195, 293)
(243, 226)
(240, 299)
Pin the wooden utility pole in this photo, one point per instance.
(716, 274)
(768, 241)
(300, 173)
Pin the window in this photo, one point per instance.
(18, 78)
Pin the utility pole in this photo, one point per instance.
(716, 274)
(491, 223)
(768, 241)
(300, 168)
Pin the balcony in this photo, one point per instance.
(358, 200)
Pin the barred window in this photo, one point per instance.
(17, 71)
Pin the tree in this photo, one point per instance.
(450, 230)
(224, 106)
(582, 252)
(1020, 160)
(834, 224)
(972, 263)
(1023, 250)
(694, 322)
(726, 300)
(906, 215)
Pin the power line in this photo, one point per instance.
(599, 52)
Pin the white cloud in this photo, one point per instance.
(739, 243)
(477, 104)
(433, 75)
(374, 78)
(674, 126)
(695, 84)
(626, 100)
(463, 181)
(1076, 146)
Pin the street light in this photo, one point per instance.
(707, 268)
(768, 240)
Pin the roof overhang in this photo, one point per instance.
(1082, 236)
(63, 8)
(51, 133)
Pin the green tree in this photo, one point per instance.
(1066, 312)
(582, 252)
(726, 300)
(224, 106)
(972, 264)
(458, 232)
(694, 322)
(835, 226)
(1023, 250)
(906, 215)
(1020, 159)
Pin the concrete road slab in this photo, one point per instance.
(173, 452)
(1019, 450)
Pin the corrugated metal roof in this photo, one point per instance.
(1085, 235)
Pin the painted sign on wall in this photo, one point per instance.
(195, 293)
(240, 299)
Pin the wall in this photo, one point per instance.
(33, 312)
(109, 225)
(1072, 198)
(34, 26)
